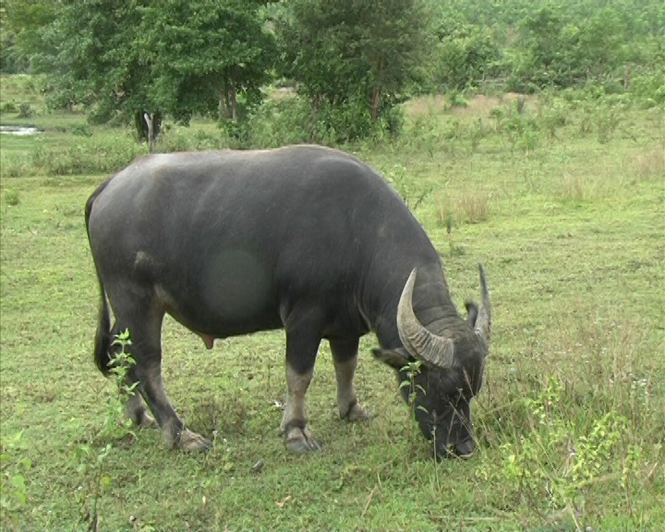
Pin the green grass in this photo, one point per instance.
(570, 423)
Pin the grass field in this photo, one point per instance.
(564, 204)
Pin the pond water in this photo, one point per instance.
(19, 130)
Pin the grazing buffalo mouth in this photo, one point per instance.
(459, 451)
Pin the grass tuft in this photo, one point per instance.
(469, 207)
(650, 164)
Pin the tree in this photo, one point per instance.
(205, 53)
(24, 48)
(464, 55)
(147, 59)
(360, 53)
(98, 62)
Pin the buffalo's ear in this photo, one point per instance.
(395, 358)
(472, 311)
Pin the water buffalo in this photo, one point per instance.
(303, 238)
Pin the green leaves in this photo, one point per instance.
(13, 489)
(356, 57)
(172, 58)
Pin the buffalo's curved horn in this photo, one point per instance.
(423, 345)
(483, 326)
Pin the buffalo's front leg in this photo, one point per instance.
(345, 358)
(301, 352)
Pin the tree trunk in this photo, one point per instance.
(150, 121)
(234, 100)
(143, 129)
(223, 110)
(376, 100)
(376, 95)
(228, 102)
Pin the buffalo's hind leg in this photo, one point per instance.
(135, 408)
(145, 323)
(136, 411)
(345, 358)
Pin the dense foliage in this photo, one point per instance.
(355, 56)
(131, 58)
(350, 61)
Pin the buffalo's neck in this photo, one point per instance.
(431, 302)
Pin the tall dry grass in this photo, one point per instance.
(650, 164)
(469, 207)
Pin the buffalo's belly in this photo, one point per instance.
(215, 326)
(227, 307)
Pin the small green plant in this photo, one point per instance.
(555, 461)
(13, 491)
(520, 102)
(553, 118)
(522, 131)
(607, 123)
(118, 426)
(406, 186)
(94, 461)
(25, 111)
(8, 107)
(412, 371)
(12, 197)
(457, 99)
(81, 130)
(478, 133)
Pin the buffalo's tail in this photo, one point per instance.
(103, 334)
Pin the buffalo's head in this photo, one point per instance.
(441, 371)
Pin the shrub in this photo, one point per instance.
(277, 123)
(101, 155)
(470, 207)
(9, 107)
(650, 164)
(11, 197)
(25, 111)
(649, 88)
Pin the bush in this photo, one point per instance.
(93, 155)
(9, 107)
(649, 88)
(25, 111)
(12, 197)
(182, 138)
(293, 121)
(277, 123)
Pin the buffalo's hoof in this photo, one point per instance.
(147, 422)
(300, 441)
(357, 413)
(192, 442)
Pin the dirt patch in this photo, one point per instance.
(282, 93)
(426, 105)
(478, 106)
(481, 105)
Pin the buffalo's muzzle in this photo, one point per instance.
(460, 451)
